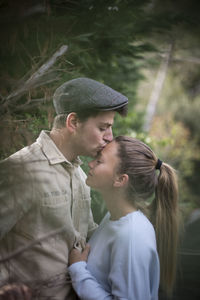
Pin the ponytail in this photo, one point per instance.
(141, 164)
(163, 215)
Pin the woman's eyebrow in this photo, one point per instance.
(99, 155)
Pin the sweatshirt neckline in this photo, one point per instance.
(124, 218)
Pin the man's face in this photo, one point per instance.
(94, 134)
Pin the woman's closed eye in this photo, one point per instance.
(98, 161)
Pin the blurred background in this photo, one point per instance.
(148, 50)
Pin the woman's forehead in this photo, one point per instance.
(110, 148)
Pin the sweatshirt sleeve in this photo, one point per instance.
(85, 285)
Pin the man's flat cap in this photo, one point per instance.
(86, 94)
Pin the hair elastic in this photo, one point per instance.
(159, 164)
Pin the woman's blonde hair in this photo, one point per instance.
(140, 163)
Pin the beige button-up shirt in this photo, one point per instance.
(41, 192)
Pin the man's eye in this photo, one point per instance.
(102, 129)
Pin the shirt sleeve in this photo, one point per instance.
(15, 194)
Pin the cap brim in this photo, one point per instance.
(115, 107)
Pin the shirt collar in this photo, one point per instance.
(51, 151)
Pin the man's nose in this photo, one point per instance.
(108, 136)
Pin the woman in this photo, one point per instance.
(124, 261)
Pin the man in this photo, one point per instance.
(46, 188)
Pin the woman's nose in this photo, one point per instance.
(90, 164)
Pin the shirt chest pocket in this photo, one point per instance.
(55, 212)
(49, 214)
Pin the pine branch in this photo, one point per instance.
(30, 245)
(33, 81)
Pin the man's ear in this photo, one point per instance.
(121, 180)
(72, 122)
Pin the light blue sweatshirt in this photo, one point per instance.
(123, 261)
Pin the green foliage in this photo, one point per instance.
(111, 41)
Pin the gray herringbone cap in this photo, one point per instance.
(86, 94)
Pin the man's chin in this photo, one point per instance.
(94, 154)
(99, 151)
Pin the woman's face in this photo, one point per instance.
(103, 170)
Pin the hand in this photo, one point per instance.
(15, 291)
(75, 255)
